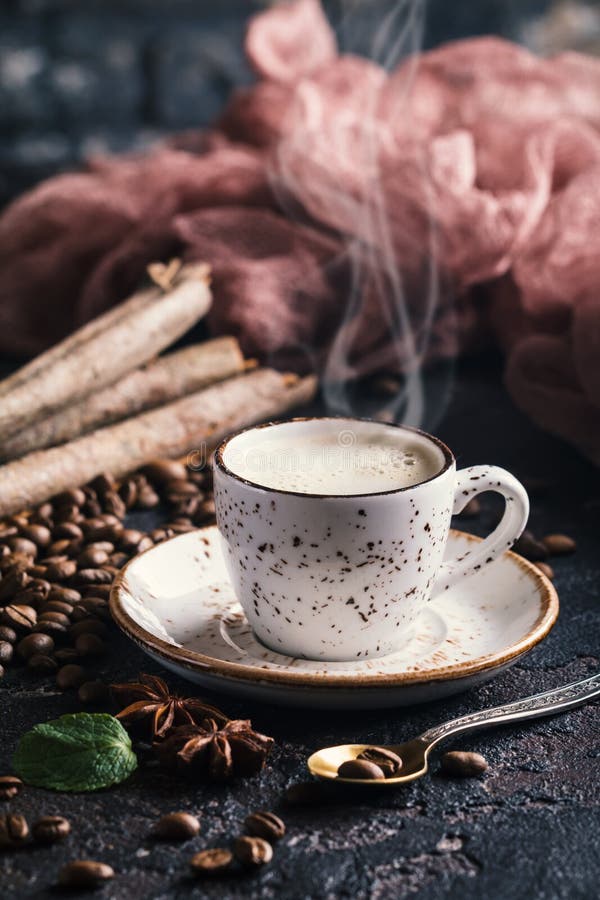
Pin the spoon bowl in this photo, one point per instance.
(325, 763)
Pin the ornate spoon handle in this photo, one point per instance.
(558, 700)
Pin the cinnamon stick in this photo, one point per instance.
(161, 381)
(194, 423)
(104, 350)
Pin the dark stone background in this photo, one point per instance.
(79, 77)
(527, 830)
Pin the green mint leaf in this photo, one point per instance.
(78, 752)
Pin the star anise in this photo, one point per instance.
(215, 751)
(151, 705)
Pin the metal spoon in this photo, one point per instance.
(414, 754)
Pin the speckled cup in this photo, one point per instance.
(345, 577)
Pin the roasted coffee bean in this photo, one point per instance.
(1, 671)
(76, 496)
(39, 534)
(44, 510)
(70, 676)
(67, 530)
(14, 580)
(58, 606)
(94, 606)
(60, 571)
(265, 825)
(8, 634)
(252, 851)
(112, 503)
(92, 576)
(61, 547)
(147, 498)
(211, 862)
(7, 531)
(4, 551)
(23, 545)
(103, 483)
(14, 830)
(41, 664)
(6, 652)
(91, 557)
(559, 544)
(69, 512)
(93, 693)
(160, 471)
(388, 761)
(65, 594)
(58, 617)
(205, 511)
(181, 527)
(359, 769)
(176, 826)
(179, 489)
(89, 625)
(20, 520)
(96, 590)
(187, 507)
(118, 560)
(49, 829)
(98, 529)
(54, 629)
(85, 873)
(529, 547)
(130, 539)
(19, 616)
(10, 786)
(128, 493)
(35, 644)
(198, 476)
(159, 535)
(91, 509)
(90, 645)
(462, 764)
(545, 569)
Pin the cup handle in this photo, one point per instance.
(469, 483)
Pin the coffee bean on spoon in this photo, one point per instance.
(559, 544)
(463, 764)
(388, 761)
(360, 769)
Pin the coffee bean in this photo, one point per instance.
(75, 496)
(546, 569)
(179, 489)
(8, 634)
(159, 535)
(39, 534)
(107, 546)
(10, 786)
(60, 571)
(23, 545)
(66, 655)
(89, 625)
(69, 512)
(6, 652)
(529, 547)
(176, 826)
(147, 498)
(67, 530)
(70, 676)
(84, 873)
(252, 851)
(98, 529)
(1, 671)
(96, 590)
(103, 483)
(160, 471)
(559, 544)
(388, 761)
(359, 769)
(211, 862)
(91, 509)
(91, 557)
(7, 531)
(130, 539)
(57, 617)
(58, 606)
(462, 764)
(14, 580)
(64, 594)
(44, 510)
(90, 645)
(118, 560)
(93, 693)
(19, 616)
(92, 576)
(94, 606)
(35, 644)
(128, 493)
(14, 830)
(265, 825)
(42, 665)
(54, 629)
(112, 503)
(181, 527)
(49, 829)
(205, 511)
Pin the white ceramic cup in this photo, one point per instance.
(344, 577)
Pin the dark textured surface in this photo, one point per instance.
(80, 78)
(527, 829)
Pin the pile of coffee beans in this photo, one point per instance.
(15, 831)
(58, 561)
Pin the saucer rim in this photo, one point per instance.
(195, 661)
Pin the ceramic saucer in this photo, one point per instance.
(175, 601)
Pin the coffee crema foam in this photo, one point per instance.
(342, 463)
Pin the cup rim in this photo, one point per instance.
(219, 462)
